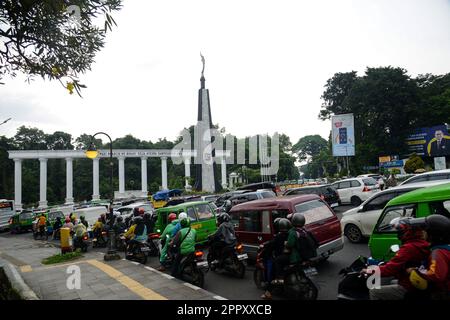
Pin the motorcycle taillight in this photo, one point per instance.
(239, 248)
(198, 254)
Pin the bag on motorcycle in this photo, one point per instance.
(307, 245)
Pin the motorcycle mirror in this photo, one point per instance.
(394, 248)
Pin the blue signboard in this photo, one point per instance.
(431, 141)
(392, 164)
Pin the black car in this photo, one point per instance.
(325, 191)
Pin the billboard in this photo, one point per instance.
(343, 135)
(430, 141)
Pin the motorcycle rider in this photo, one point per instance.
(68, 224)
(274, 249)
(148, 221)
(42, 223)
(56, 226)
(98, 228)
(413, 251)
(437, 275)
(79, 230)
(223, 237)
(181, 216)
(137, 235)
(183, 244)
(166, 236)
(119, 226)
(84, 222)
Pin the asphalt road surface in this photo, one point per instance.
(232, 288)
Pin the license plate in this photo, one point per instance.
(242, 256)
(311, 271)
(202, 264)
(334, 205)
(145, 249)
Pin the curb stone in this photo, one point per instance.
(16, 281)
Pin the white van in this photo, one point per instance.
(7, 210)
(356, 190)
(91, 214)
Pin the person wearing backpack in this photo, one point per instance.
(183, 244)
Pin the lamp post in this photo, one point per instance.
(92, 153)
(5, 121)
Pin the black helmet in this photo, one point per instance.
(147, 216)
(138, 220)
(119, 219)
(298, 220)
(284, 225)
(438, 227)
(276, 224)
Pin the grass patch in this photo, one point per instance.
(59, 258)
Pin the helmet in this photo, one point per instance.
(184, 222)
(82, 218)
(406, 230)
(138, 220)
(182, 216)
(298, 220)
(43, 215)
(172, 217)
(223, 217)
(141, 211)
(417, 281)
(119, 218)
(136, 211)
(275, 224)
(438, 228)
(289, 216)
(67, 220)
(147, 216)
(284, 225)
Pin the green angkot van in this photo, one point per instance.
(201, 213)
(418, 203)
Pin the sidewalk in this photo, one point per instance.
(100, 280)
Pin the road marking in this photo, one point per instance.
(148, 268)
(26, 268)
(134, 262)
(191, 286)
(167, 276)
(131, 284)
(219, 298)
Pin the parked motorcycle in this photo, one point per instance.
(100, 240)
(231, 260)
(81, 242)
(297, 283)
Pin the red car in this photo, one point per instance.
(253, 222)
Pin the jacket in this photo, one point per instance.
(119, 227)
(166, 236)
(439, 268)
(79, 230)
(225, 233)
(291, 244)
(187, 244)
(411, 254)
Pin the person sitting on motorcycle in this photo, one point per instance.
(119, 226)
(274, 250)
(137, 235)
(181, 216)
(436, 276)
(223, 237)
(84, 222)
(79, 230)
(183, 244)
(68, 224)
(42, 223)
(73, 218)
(97, 228)
(56, 226)
(166, 236)
(413, 251)
(148, 221)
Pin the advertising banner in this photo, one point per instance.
(430, 141)
(343, 135)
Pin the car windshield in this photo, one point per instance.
(26, 215)
(314, 211)
(395, 212)
(54, 215)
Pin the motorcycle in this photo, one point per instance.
(121, 242)
(81, 242)
(192, 268)
(100, 240)
(41, 232)
(139, 252)
(296, 284)
(154, 243)
(231, 260)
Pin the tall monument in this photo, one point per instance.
(205, 167)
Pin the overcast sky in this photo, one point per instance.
(266, 65)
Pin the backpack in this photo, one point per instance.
(306, 244)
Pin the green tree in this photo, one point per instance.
(310, 146)
(51, 38)
(413, 163)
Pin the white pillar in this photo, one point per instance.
(121, 175)
(18, 183)
(95, 179)
(69, 181)
(144, 175)
(224, 172)
(43, 183)
(187, 172)
(164, 172)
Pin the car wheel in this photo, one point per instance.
(355, 201)
(353, 233)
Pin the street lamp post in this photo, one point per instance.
(92, 153)
(5, 121)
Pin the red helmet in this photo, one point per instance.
(141, 211)
(171, 217)
(67, 219)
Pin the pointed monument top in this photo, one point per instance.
(202, 79)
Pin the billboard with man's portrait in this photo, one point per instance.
(430, 141)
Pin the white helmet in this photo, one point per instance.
(182, 216)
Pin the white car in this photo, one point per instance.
(355, 190)
(429, 176)
(358, 223)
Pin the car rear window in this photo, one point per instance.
(249, 221)
(369, 181)
(268, 195)
(314, 211)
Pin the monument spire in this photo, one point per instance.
(202, 79)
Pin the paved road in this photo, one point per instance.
(232, 288)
